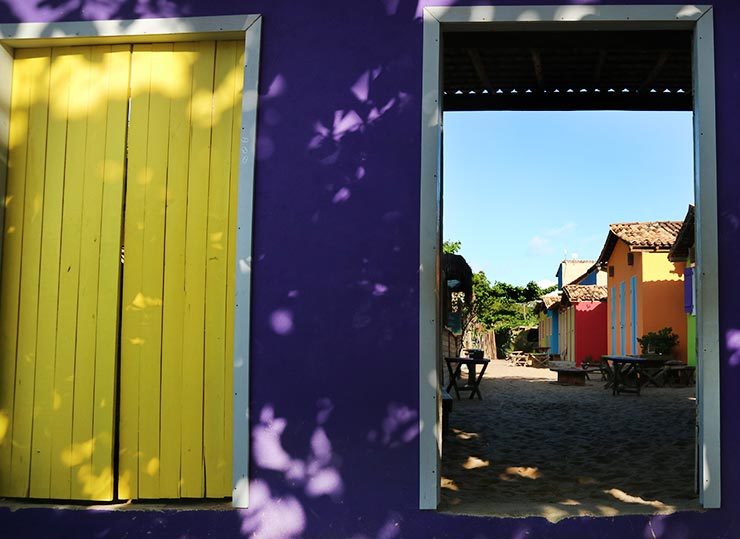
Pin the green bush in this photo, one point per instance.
(660, 342)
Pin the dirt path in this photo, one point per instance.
(533, 447)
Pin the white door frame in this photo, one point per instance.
(245, 27)
(686, 17)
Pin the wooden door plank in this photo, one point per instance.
(64, 454)
(83, 484)
(11, 261)
(216, 268)
(117, 64)
(153, 270)
(195, 255)
(49, 286)
(133, 300)
(174, 277)
(231, 269)
(38, 66)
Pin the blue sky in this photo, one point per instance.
(524, 190)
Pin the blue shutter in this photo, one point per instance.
(633, 313)
(613, 300)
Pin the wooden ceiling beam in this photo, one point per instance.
(564, 101)
(599, 67)
(480, 69)
(537, 65)
(656, 69)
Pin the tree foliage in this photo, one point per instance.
(498, 306)
(661, 342)
(451, 247)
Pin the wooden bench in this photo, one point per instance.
(570, 376)
(679, 374)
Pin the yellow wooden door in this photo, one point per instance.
(60, 272)
(172, 113)
(178, 276)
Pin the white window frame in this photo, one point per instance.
(246, 27)
(567, 17)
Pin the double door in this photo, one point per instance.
(117, 272)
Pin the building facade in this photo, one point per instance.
(684, 250)
(334, 268)
(583, 315)
(645, 289)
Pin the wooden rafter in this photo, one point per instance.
(599, 66)
(480, 69)
(537, 65)
(655, 71)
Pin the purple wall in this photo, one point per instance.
(336, 287)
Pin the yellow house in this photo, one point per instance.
(645, 289)
(548, 329)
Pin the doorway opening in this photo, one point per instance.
(542, 131)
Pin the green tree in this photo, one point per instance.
(451, 247)
(498, 306)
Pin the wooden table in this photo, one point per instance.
(454, 364)
(538, 361)
(626, 366)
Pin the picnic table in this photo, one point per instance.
(454, 365)
(517, 359)
(642, 370)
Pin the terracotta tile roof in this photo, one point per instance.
(650, 235)
(574, 293)
(685, 239)
(548, 301)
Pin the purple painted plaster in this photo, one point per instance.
(335, 303)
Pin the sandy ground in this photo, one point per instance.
(534, 447)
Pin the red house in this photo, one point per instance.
(582, 330)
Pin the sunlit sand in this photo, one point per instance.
(533, 447)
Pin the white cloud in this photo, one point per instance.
(561, 230)
(574, 256)
(546, 283)
(539, 246)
